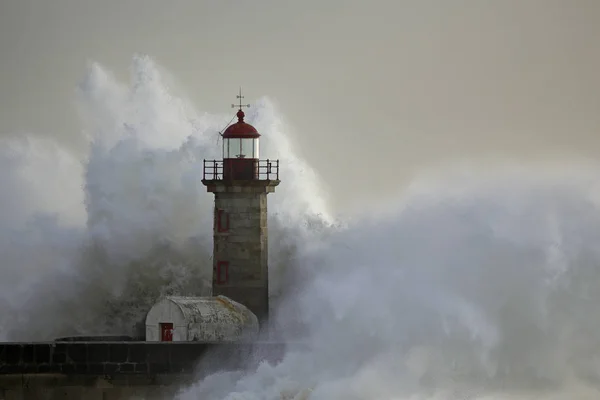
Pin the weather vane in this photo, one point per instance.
(240, 97)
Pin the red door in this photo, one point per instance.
(166, 332)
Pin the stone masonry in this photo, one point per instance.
(119, 370)
(240, 254)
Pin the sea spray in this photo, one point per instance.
(480, 285)
(91, 241)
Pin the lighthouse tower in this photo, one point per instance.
(241, 182)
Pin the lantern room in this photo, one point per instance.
(240, 150)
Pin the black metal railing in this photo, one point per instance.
(264, 170)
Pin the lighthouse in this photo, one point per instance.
(240, 182)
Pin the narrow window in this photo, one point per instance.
(222, 272)
(222, 221)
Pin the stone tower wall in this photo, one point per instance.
(240, 256)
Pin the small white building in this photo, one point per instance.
(210, 319)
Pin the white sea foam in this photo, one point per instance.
(480, 286)
(469, 286)
(90, 242)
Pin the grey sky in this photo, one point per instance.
(393, 85)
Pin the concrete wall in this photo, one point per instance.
(88, 393)
(100, 358)
(119, 370)
(122, 358)
(244, 245)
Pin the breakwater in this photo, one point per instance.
(120, 369)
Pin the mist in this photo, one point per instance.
(435, 232)
(407, 84)
(105, 235)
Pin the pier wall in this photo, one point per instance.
(118, 370)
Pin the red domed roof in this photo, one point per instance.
(240, 129)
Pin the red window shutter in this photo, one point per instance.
(222, 272)
(222, 221)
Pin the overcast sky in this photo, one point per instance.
(398, 85)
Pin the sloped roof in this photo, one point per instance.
(240, 129)
(205, 310)
(196, 308)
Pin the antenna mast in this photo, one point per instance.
(240, 105)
